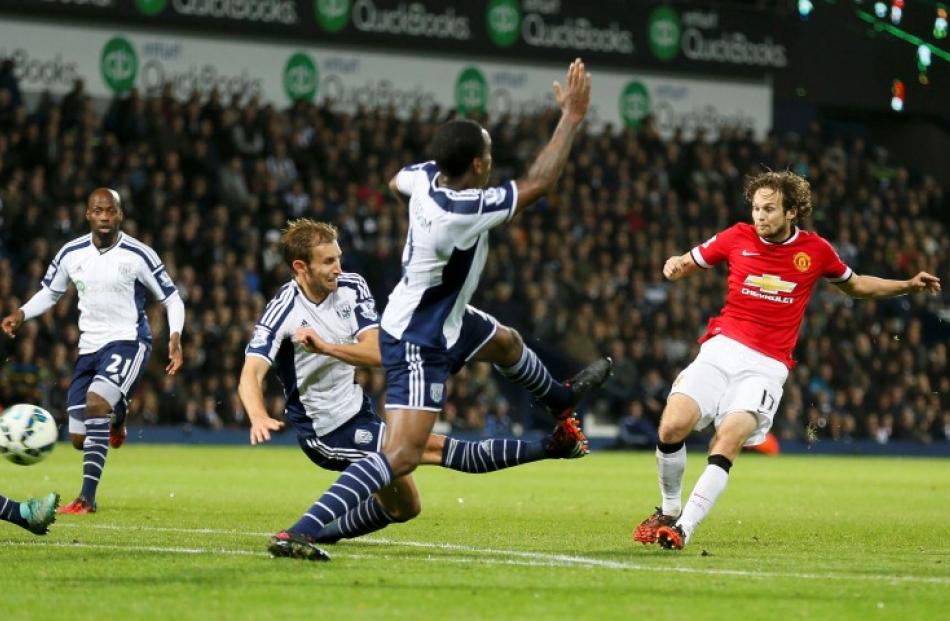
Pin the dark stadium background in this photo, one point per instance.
(208, 182)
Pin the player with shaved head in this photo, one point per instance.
(111, 272)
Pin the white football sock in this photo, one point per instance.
(708, 489)
(670, 468)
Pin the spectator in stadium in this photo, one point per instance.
(642, 197)
(736, 381)
(635, 430)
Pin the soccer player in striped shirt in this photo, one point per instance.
(315, 331)
(450, 214)
(111, 272)
(736, 381)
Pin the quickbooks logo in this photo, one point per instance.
(263, 11)
(300, 77)
(332, 15)
(413, 20)
(542, 23)
(634, 103)
(471, 91)
(503, 18)
(700, 37)
(151, 7)
(119, 64)
(664, 33)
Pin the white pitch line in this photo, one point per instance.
(535, 559)
(112, 546)
(230, 552)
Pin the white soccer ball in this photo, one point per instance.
(27, 434)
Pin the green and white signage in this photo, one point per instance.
(112, 62)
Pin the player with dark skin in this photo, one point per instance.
(318, 279)
(418, 360)
(409, 429)
(104, 214)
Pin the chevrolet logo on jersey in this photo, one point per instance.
(770, 283)
(768, 286)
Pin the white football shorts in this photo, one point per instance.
(728, 376)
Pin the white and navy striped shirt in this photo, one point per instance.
(444, 255)
(111, 284)
(320, 391)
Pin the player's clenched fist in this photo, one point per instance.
(673, 267)
(310, 340)
(12, 322)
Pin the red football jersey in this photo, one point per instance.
(769, 285)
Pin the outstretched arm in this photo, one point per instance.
(862, 286)
(547, 167)
(42, 301)
(363, 353)
(251, 392)
(677, 267)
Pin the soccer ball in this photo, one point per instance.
(27, 434)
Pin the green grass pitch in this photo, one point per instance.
(180, 535)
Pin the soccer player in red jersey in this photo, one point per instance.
(736, 380)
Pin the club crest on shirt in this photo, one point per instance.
(368, 310)
(802, 261)
(259, 338)
(362, 436)
(344, 311)
(436, 390)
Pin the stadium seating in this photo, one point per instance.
(209, 183)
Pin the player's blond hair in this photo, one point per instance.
(301, 235)
(795, 190)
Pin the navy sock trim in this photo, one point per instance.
(720, 460)
(672, 447)
(10, 511)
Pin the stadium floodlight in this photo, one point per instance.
(923, 63)
(897, 11)
(897, 96)
(923, 57)
(804, 9)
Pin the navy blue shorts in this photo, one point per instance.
(351, 441)
(115, 370)
(416, 374)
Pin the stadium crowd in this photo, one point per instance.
(209, 183)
